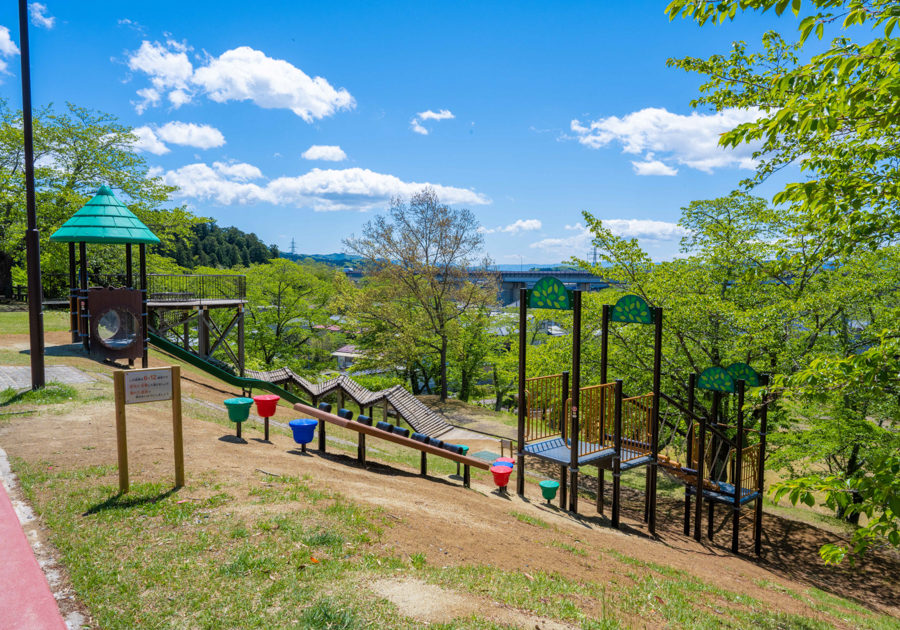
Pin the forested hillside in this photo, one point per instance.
(209, 245)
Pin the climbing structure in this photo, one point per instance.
(408, 407)
(599, 425)
(727, 461)
(562, 423)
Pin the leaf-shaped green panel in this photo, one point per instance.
(549, 292)
(632, 309)
(742, 371)
(716, 379)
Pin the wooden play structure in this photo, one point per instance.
(600, 425)
(113, 316)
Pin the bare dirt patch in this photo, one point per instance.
(433, 604)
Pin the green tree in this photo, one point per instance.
(427, 259)
(835, 114)
(75, 152)
(287, 300)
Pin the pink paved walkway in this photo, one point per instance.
(26, 602)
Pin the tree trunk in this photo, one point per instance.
(852, 468)
(6, 284)
(443, 369)
(498, 392)
(465, 385)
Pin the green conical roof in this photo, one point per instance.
(104, 219)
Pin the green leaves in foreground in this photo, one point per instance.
(877, 495)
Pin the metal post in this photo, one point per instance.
(604, 356)
(129, 275)
(73, 295)
(617, 443)
(145, 330)
(32, 235)
(701, 458)
(520, 435)
(714, 420)
(84, 312)
(738, 464)
(654, 429)
(240, 326)
(423, 465)
(687, 493)
(129, 278)
(186, 332)
(760, 482)
(576, 390)
(361, 453)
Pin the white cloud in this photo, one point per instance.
(148, 141)
(153, 139)
(191, 135)
(324, 152)
(528, 225)
(241, 74)
(7, 48)
(416, 123)
(131, 24)
(653, 167)
(645, 230)
(322, 190)
(238, 170)
(39, 15)
(149, 98)
(443, 114)
(688, 140)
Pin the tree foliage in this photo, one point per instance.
(427, 269)
(75, 152)
(835, 115)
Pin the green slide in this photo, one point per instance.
(235, 381)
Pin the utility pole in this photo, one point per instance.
(293, 247)
(32, 236)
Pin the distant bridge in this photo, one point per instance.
(512, 281)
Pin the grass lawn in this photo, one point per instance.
(16, 323)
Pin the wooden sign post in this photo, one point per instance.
(143, 386)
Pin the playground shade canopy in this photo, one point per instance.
(104, 219)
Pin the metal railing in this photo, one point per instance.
(597, 408)
(749, 471)
(162, 287)
(637, 433)
(544, 414)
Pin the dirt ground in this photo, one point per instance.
(451, 525)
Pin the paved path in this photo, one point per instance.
(26, 602)
(19, 376)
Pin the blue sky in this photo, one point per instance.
(300, 120)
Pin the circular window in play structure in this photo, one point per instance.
(118, 328)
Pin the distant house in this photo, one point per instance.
(346, 356)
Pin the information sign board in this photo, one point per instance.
(148, 386)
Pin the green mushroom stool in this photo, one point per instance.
(238, 411)
(548, 489)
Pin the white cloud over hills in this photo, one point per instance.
(152, 139)
(646, 230)
(241, 74)
(321, 190)
(528, 225)
(668, 138)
